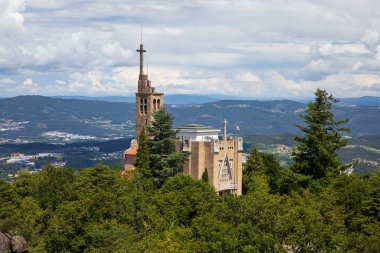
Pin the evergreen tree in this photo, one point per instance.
(253, 165)
(273, 171)
(205, 175)
(315, 155)
(165, 161)
(142, 162)
(254, 162)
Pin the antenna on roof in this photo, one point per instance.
(147, 69)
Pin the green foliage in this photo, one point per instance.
(260, 183)
(292, 181)
(273, 170)
(312, 223)
(372, 205)
(165, 161)
(262, 172)
(205, 175)
(7, 204)
(315, 155)
(109, 236)
(352, 191)
(254, 165)
(143, 174)
(101, 212)
(51, 186)
(180, 200)
(28, 220)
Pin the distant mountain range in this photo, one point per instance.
(200, 99)
(169, 98)
(360, 101)
(100, 118)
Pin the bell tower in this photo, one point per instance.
(147, 99)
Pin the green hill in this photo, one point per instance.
(102, 119)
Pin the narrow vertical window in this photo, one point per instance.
(145, 106)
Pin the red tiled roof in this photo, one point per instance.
(131, 151)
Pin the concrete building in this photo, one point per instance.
(222, 157)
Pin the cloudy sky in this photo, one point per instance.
(253, 48)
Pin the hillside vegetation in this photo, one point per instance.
(95, 210)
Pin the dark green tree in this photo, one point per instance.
(7, 204)
(254, 162)
(315, 155)
(205, 175)
(372, 207)
(50, 186)
(273, 171)
(143, 174)
(165, 161)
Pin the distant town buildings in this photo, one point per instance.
(11, 125)
(66, 137)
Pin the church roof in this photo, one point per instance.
(131, 151)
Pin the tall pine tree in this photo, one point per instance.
(165, 161)
(315, 155)
(143, 172)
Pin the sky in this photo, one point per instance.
(259, 49)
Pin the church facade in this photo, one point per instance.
(220, 155)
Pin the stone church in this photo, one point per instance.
(220, 154)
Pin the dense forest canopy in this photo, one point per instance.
(96, 210)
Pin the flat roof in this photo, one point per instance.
(196, 128)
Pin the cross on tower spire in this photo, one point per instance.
(141, 51)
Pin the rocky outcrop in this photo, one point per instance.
(18, 244)
(5, 243)
(13, 244)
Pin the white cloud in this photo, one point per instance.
(371, 38)
(11, 17)
(247, 77)
(345, 49)
(7, 81)
(317, 69)
(115, 54)
(243, 47)
(30, 87)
